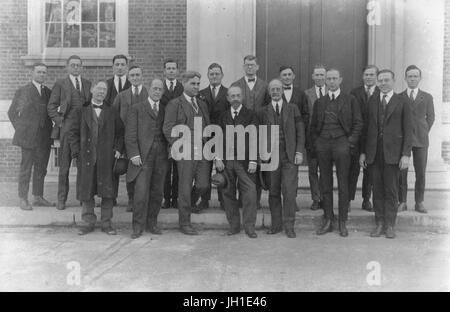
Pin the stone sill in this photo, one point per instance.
(88, 60)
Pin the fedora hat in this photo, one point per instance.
(219, 180)
(120, 166)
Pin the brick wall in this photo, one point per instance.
(157, 30)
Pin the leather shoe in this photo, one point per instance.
(154, 230)
(130, 205)
(420, 208)
(272, 231)
(290, 233)
(402, 207)
(61, 205)
(174, 204)
(233, 232)
(327, 226)
(390, 232)
(136, 234)
(109, 230)
(40, 201)
(367, 205)
(204, 204)
(188, 230)
(85, 230)
(195, 209)
(24, 204)
(315, 205)
(378, 231)
(251, 234)
(166, 204)
(343, 229)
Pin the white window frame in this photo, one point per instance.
(37, 50)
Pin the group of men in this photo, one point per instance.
(99, 123)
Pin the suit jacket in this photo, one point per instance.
(93, 139)
(179, 112)
(139, 133)
(312, 97)
(360, 94)
(422, 111)
(168, 96)
(293, 127)
(349, 117)
(245, 117)
(112, 91)
(397, 132)
(215, 106)
(64, 98)
(28, 115)
(124, 100)
(258, 98)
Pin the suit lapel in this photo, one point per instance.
(88, 115)
(391, 106)
(148, 109)
(187, 107)
(284, 113)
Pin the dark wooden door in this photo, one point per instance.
(302, 33)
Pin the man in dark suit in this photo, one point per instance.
(386, 143)
(362, 95)
(119, 82)
(28, 115)
(316, 92)
(422, 111)
(240, 169)
(183, 112)
(335, 129)
(291, 145)
(96, 134)
(215, 96)
(172, 89)
(137, 93)
(67, 94)
(147, 149)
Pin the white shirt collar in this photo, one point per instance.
(246, 80)
(188, 98)
(139, 89)
(38, 86)
(318, 90)
(371, 89)
(416, 91)
(72, 78)
(336, 93)
(280, 104)
(116, 81)
(235, 110)
(388, 96)
(168, 83)
(153, 102)
(217, 88)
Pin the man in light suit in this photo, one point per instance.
(173, 88)
(117, 84)
(386, 143)
(335, 130)
(184, 110)
(316, 92)
(123, 102)
(67, 94)
(147, 149)
(215, 96)
(422, 111)
(28, 115)
(363, 94)
(284, 180)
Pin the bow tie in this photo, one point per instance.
(97, 106)
(287, 88)
(251, 79)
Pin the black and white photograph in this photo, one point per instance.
(222, 151)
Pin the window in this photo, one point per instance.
(93, 29)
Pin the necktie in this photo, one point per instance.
(171, 86)
(367, 92)
(384, 103)
(411, 95)
(251, 79)
(42, 90)
(120, 84)
(194, 104)
(155, 108)
(214, 89)
(332, 97)
(321, 93)
(135, 91)
(97, 106)
(235, 114)
(277, 109)
(287, 88)
(77, 84)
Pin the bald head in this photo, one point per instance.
(156, 89)
(275, 89)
